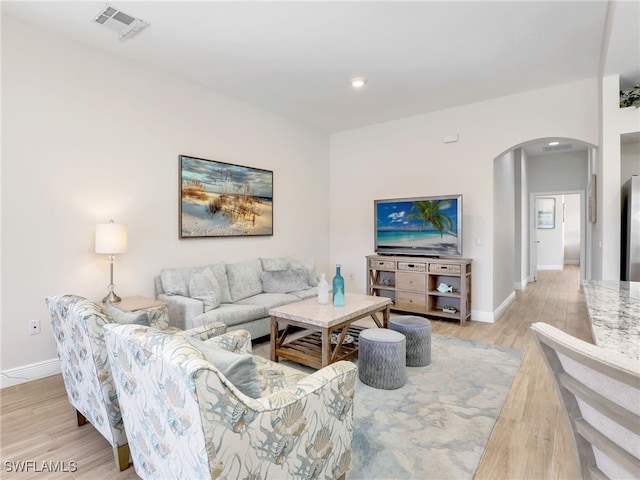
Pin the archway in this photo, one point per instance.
(539, 166)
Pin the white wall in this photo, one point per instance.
(559, 172)
(572, 229)
(504, 229)
(522, 222)
(87, 138)
(629, 161)
(616, 121)
(407, 158)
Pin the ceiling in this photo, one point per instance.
(296, 58)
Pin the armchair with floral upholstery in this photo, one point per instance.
(186, 419)
(77, 325)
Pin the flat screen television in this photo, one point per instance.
(419, 226)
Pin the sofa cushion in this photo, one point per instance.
(269, 300)
(232, 314)
(284, 281)
(204, 286)
(239, 368)
(125, 317)
(244, 279)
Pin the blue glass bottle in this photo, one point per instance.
(338, 289)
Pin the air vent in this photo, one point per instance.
(125, 25)
(553, 148)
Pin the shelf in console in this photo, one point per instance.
(436, 293)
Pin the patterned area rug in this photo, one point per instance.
(437, 425)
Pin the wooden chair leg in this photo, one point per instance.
(80, 418)
(121, 456)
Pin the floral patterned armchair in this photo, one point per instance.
(186, 420)
(77, 325)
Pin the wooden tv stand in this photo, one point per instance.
(412, 284)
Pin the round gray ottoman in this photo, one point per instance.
(381, 358)
(418, 333)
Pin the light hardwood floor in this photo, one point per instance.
(530, 439)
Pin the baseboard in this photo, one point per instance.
(479, 316)
(572, 262)
(521, 285)
(16, 376)
(550, 267)
(503, 306)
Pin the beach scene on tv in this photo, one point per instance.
(221, 199)
(430, 224)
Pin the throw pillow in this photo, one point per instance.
(204, 286)
(173, 283)
(239, 368)
(284, 281)
(277, 263)
(125, 317)
(310, 265)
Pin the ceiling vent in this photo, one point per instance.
(553, 148)
(125, 25)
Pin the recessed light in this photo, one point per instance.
(358, 82)
(551, 144)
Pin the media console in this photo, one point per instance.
(412, 284)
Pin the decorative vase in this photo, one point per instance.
(323, 290)
(338, 289)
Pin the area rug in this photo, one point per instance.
(437, 425)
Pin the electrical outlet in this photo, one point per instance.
(34, 327)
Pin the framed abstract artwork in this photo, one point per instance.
(220, 199)
(545, 212)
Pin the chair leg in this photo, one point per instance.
(80, 419)
(121, 456)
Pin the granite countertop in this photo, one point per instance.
(614, 311)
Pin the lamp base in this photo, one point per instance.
(111, 298)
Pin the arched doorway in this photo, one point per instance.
(543, 167)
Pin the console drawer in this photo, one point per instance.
(411, 281)
(444, 268)
(382, 264)
(412, 302)
(412, 267)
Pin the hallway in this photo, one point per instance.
(531, 439)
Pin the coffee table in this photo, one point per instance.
(315, 349)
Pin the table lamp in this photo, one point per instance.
(111, 238)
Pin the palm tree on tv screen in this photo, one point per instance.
(430, 211)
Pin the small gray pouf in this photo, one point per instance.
(418, 333)
(381, 358)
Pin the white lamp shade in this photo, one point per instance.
(111, 238)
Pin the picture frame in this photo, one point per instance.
(593, 198)
(219, 199)
(545, 213)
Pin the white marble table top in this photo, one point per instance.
(614, 311)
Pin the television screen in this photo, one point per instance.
(421, 226)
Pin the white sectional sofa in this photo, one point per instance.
(237, 294)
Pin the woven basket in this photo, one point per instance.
(444, 268)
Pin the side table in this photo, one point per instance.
(158, 311)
